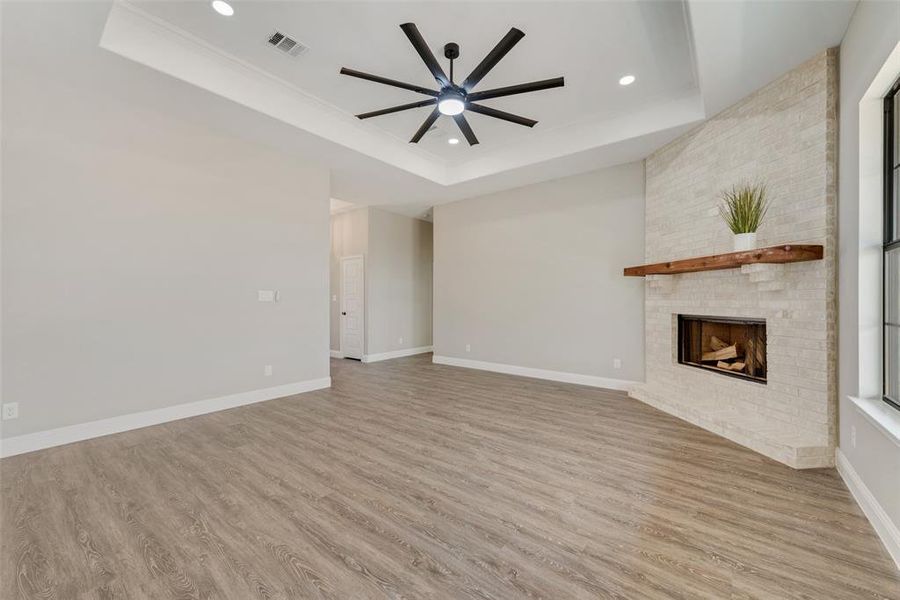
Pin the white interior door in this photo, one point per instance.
(353, 319)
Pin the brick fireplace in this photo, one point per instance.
(785, 133)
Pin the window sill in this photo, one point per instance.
(880, 414)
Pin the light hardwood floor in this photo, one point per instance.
(412, 480)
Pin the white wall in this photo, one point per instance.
(872, 36)
(134, 240)
(399, 275)
(532, 277)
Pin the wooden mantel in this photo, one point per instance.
(732, 260)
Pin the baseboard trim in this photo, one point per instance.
(370, 358)
(84, 431)
(337, 354)
(563, 376)
(884, 527)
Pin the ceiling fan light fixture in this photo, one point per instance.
(454, 99)
(453, 141)
(222, 7)
(451, 103)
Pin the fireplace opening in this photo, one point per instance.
(734, 347)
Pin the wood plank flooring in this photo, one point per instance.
(414, 480)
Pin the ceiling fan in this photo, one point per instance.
(454, 99)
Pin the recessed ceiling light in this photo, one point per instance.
(453, 141)
(222, 7)
(627, 80)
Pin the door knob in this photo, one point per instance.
(344, 313)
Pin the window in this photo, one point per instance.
(891, 342)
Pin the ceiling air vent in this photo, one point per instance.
(286, 44)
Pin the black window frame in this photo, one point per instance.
(891, 237)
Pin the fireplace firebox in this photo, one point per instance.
(733, 347)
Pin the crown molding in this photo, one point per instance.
(160, 45)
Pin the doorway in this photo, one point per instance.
(353, 301)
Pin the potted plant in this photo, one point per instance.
(743, 208)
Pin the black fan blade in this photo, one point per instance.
(522, 88)
(393, 109)
(466, 130)
(429, 121)
(499, 114)
(505, 45)
(386, 81)
(418, 42)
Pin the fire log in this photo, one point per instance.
(723, 354)
(717, 344)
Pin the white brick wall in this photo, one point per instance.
(785, 134)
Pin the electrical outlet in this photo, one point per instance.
(267, 371)
(11, 411)
(401, 340)
(852, 435)
(468, 347)
(617, 363)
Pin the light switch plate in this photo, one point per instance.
(266, 295)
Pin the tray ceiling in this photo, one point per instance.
(690, 60)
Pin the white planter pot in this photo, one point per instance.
(744, 241)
